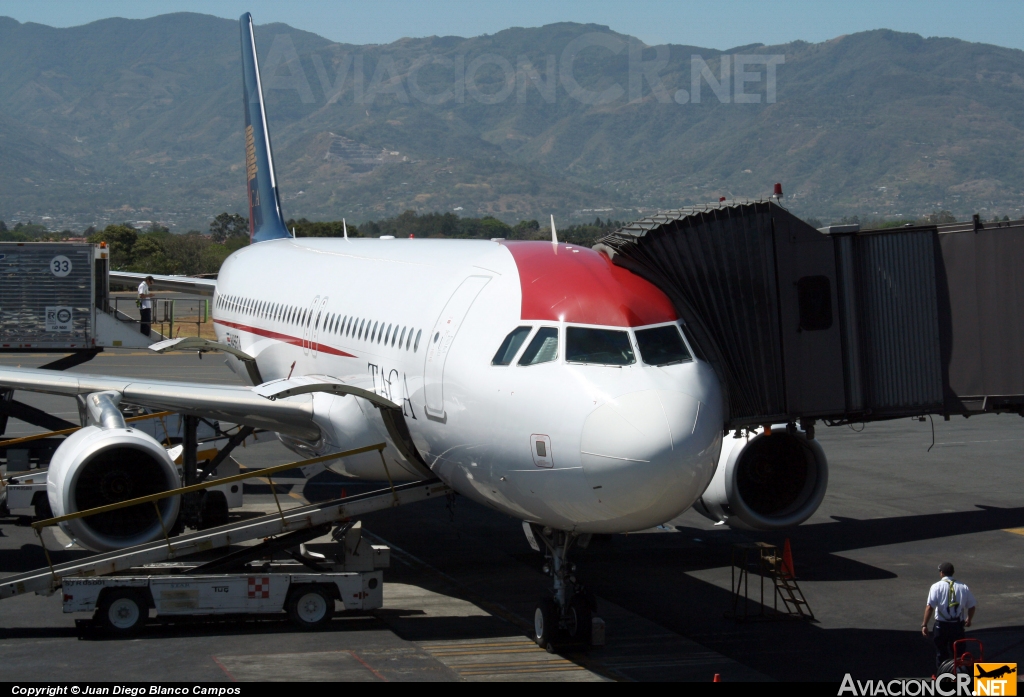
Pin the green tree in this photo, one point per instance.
(121, 240)
(30, 229)
(939, 218)
(526, 230)
(306, 228)
(148, 256)
(228, 226)
(185, 253)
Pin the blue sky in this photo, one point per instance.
(719, 24)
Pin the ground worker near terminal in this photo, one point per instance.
(953, 605)
(145, 305)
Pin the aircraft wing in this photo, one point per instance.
(181, 284)
(231, 403)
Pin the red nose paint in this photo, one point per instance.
(568, 283)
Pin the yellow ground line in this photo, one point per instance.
(510, 672)
(463, 653)
(1015, 531)
(463, 647)
(296, 496)
(489, 645)
(515, 664)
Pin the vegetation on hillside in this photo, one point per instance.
(876, 123)
(158, 251)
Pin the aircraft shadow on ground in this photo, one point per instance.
(819, 544)
(787, 650)
(30, 557)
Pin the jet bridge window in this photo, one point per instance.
(814, 296)
(510, 346)
(662, 345)
(601, 346)
(543, 348)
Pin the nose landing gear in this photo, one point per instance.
(567, 616)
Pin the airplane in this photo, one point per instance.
(996, 672)
(534, 377)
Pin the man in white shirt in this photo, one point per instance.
(145, 305)
(953, 605)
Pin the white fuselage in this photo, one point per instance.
(419, 322)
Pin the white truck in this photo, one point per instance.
(120, 604)
(347, 572)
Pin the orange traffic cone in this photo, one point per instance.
(787, 569)
(718, 678)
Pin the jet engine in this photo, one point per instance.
(766, 482)
(106, 463)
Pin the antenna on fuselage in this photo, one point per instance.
(554, 233)
(293, 232)
(344, 228)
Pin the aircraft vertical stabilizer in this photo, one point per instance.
(265, 220)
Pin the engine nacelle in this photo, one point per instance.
(99, 466)
(766, 482)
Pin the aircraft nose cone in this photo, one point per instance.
(647, 456)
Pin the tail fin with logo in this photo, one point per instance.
(265, 220)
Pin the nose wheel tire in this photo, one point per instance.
(311, 607)
(579, 619)
(545, 622)
(122, 613)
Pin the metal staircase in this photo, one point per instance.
(765, 560)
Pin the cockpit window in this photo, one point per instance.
(662, 345)
(603, 346)
(510, 346)
(543, 348)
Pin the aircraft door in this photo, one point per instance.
(439, 342)
(321, 316)
(307, 325)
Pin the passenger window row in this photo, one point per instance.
(658, 346)
(394, 335)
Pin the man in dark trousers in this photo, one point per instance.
(145, 305)
(953, 605)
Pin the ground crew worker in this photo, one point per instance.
(953, 605)
(145, 305)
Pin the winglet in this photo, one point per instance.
(265, 219)
(554, 233)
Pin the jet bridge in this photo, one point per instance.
(840, 324)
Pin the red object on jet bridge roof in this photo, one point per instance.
(778, 189)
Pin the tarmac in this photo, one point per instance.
(463, 582)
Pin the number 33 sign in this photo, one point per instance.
(60, 266)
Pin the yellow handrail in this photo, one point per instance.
(205, 485)
(66, 431)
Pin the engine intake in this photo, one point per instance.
(99, 466)
(766, 482)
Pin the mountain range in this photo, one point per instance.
(141, 120)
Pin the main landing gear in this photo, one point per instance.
(566, 616)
